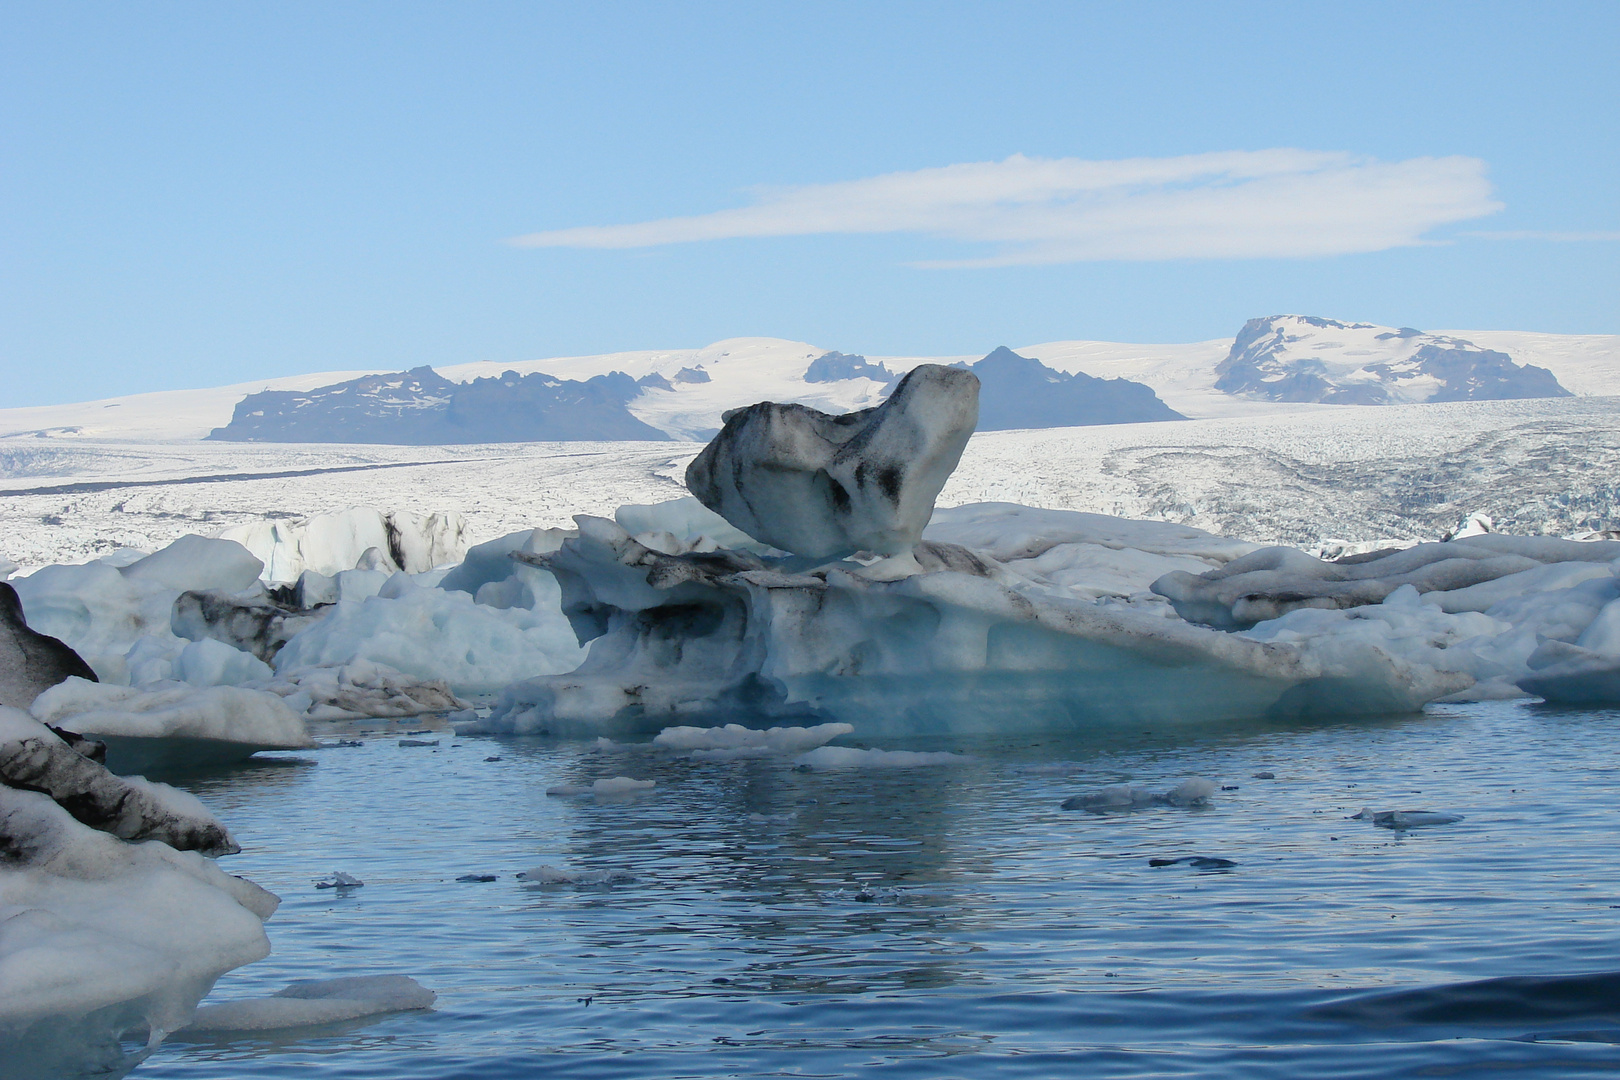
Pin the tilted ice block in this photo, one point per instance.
(959, 644)
(822, 486)
(34, 757)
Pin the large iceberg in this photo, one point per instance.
(844, 609)
(944, 638)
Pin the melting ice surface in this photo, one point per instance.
(748, 917)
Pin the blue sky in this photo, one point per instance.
(195, 194)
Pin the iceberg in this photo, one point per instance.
(821, 485)
(949, 640)
(166, 725)
(101, 610)
(439, 635)
(106, 925)
(330, 543)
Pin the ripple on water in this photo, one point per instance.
(745, 918)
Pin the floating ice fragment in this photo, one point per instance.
(554, 875)
(621, 785)
(847, 757)
(734, 742)
(617, 785)
(1405, 819)
(309, 1002)
(339, 880)
(1194, 791)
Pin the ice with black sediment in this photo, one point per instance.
(823, 486)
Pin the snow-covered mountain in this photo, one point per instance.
(1020, 392)
(1306, 359)
(422, 408)
(705, 382)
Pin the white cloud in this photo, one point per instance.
(1228, 205)
(1544, 234)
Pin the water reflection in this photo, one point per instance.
(781, 920)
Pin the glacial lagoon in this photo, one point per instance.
(945, 920)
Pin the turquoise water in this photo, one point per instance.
(951, 920)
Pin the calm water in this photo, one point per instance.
(951, 921)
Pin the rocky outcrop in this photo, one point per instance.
(822, 486)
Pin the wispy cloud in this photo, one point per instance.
(1543, 234)
(1228, 205)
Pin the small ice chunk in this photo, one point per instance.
(734, 742)
(312, 1001)
(617, 785)
(621, 785)
(1193, 791)
(1405, 819)
(339, 880)
(554, 875)
(847, 757)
